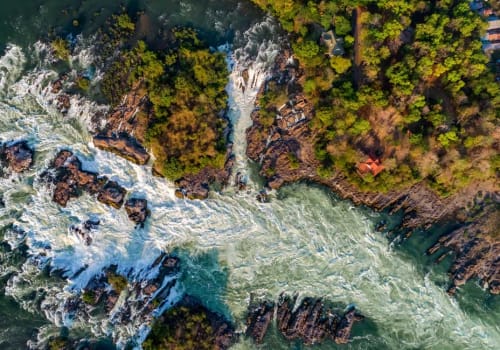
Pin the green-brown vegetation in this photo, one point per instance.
(181, 328)
(117, 282)
(185, 84)
(60, 48)
(412, 88)
(88, 297)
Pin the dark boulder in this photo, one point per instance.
(70, 181)
(137, 210)
(112, 194)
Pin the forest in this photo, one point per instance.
(185, 84)
(412, 88)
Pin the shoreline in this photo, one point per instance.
(475, 256)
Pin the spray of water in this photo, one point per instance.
(307, 241)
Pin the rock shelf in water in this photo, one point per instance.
(70, 181)
(310, 321)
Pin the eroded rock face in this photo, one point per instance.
(420, 206)
(137, 210)
(70, 181)
(310, 321)
(17, 156)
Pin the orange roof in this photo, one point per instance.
(374, 166)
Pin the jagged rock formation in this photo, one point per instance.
(137, 210)
(17, 156)
(310, 321)
(189, 325)
(120, 300)
(290, 134)
(69, 181)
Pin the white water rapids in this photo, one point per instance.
(306, 241)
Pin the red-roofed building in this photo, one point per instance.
(373, 166)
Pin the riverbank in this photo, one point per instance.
(286, 151)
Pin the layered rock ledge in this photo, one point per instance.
(310, 321)
(476, 244)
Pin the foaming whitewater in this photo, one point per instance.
(250, 65)
(231, 246)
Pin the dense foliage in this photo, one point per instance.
(185, 84)
(412, 88)
(181, 328)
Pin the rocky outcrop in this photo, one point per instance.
(137, 210)
(476, 254)
(125, 146)
(112, 194)
(286, 152)
(196, 186)
(259, 319)
(115, 298)
(310, 321)
(190, 325)
(17, 156)
(124, 128)
(70, 181)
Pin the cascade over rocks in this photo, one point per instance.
(17, 156)
(310, 321)
(476, 256)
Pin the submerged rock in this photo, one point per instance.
(310, 321)
(137, 210)
(84, 231)
(17, 156)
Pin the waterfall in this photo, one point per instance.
(250, 66)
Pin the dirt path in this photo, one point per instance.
(357, 45)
